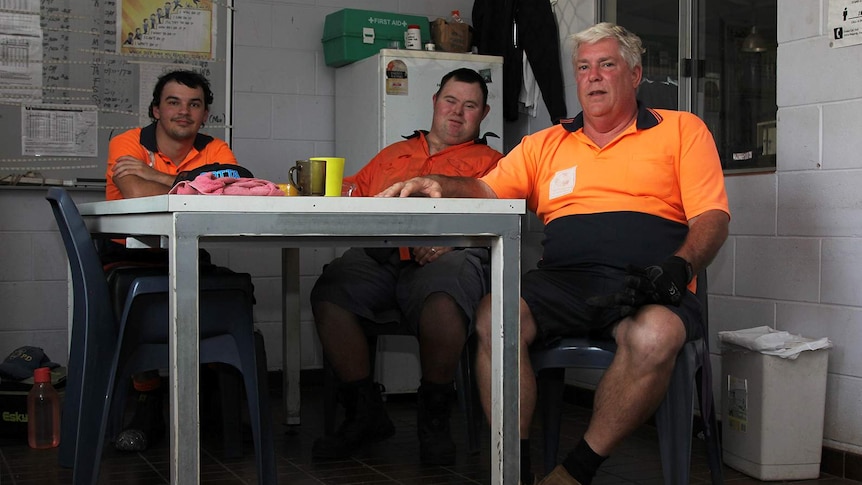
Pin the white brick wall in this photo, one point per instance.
(793, 258)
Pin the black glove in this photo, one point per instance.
(665, 284)
(662, 284)
(626, 301)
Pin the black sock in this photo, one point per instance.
(582, 463)
(526, 465)
(435, 388)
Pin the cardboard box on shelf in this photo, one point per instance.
(451, 36)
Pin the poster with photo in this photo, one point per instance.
(170, 28)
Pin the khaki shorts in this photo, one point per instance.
(395, 291)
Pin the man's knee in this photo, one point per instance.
(440, 303)
(653, 334)
(329, 314)
(483, 323)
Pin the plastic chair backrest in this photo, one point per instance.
(94, 357)
(93, 336)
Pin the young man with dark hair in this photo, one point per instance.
(146, 161)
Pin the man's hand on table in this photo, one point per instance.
(420, 186)
(416, 186)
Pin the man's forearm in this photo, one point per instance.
(707, 233)
(463, 187)
(132, 186)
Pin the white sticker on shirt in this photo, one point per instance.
(563, 183)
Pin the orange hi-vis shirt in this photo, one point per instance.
(628, 202)
(665, 164)
(410, 158)
(140, 143)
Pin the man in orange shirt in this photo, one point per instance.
(634, 206)
(146, 161)
(430, 291)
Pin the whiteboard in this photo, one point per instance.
(86, 67)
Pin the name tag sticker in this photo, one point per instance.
(563, 183)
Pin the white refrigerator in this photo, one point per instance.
(378, 101)
(382, 98)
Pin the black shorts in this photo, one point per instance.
(395, 291)
(557, 299)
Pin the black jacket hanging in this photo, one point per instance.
(509, 28)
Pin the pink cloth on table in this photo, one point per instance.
(207, 184)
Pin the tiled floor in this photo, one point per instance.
(392, 462)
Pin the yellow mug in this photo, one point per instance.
(308, 176)
(334, 175)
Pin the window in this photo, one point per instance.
(719, 62)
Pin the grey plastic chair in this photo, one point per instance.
(674, 415)
(105, 351)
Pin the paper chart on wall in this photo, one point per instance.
(20, 68)
(20, 51)
(59, 130)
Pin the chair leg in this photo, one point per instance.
(257, 391)
(230, 397)
(464, 385)
(330, 398)
(71, 416)
(711, 430)
(674, 419)
(551, 384)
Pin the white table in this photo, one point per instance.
(182, 222)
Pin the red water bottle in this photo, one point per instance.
(43, 411)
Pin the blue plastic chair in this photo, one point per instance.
(674, 415)
(104, 352)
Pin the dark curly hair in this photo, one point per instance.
(186, 78)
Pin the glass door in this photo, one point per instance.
(657, 23)
(735, 93)
(717, 58)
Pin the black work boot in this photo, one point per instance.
(432, 424)
(365, 421)
(147, 426)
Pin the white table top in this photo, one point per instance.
(261, 204)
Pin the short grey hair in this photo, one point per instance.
(631, 47)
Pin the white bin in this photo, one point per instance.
(773, 408)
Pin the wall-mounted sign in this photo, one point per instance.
(845, 22)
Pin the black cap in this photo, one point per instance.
(21, 363)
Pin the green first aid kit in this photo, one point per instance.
(350, 34)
